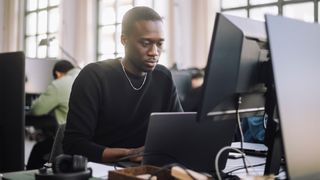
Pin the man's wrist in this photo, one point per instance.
(112, 154)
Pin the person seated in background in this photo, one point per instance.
(192, 100)
(111, 100)
(54, 100)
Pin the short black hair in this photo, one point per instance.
(61, 66)
(138, 13)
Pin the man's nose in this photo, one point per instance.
(153, 51)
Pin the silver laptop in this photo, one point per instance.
(179, 138)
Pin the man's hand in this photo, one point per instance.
(137, 154)
(113, 154)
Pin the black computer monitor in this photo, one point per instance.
(235, 69)
(12, 67)
(239, 79)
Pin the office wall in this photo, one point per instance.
(193, 24)
(1, 23)
(77, 30)
(10, 25)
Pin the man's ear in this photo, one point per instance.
(59, 74)
(124, 39)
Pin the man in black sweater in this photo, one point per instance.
(111, 100)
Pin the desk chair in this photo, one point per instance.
(45, 130)
(182, 80)
(57, 144)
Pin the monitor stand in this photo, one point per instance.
(273, 138)
(274, 156)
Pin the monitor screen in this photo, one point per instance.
(234, 69)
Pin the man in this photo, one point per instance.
(111, 100)
(55, 99)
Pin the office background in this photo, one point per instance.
(89, 30)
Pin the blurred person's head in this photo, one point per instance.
(197, 77)
(61, 68)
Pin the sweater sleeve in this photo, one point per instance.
(46, 101)
(83, 115)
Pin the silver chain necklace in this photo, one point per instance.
(125, 73)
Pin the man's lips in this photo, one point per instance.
(151, 62)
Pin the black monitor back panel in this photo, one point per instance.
(12, 68)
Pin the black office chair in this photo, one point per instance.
(57, 144)
(45, 136)
(182, 80)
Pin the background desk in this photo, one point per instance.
(233, 164)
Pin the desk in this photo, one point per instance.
(233, 164)
(100, 171)
(45, 121)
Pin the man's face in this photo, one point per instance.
(143, 46)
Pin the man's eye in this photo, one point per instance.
(159, 44)
(145, 43)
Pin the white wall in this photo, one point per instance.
(1, 24)
(193, 25)
(77, 30)
(11, 25)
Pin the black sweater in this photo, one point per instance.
(105, 111)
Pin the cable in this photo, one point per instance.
(265, 119)
(218, 156)
(241, 132)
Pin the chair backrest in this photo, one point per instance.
(182, 80)
(57, 144)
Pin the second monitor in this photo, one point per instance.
(234, 71)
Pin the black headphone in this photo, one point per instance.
(66, 167)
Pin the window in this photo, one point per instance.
(109, 27)
(303, 11)
(259, 12)
(306, 10)
(42, 21)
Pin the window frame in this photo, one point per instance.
(280, 4)
(115, 24)
(48, 34)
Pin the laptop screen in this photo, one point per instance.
(177, 137)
